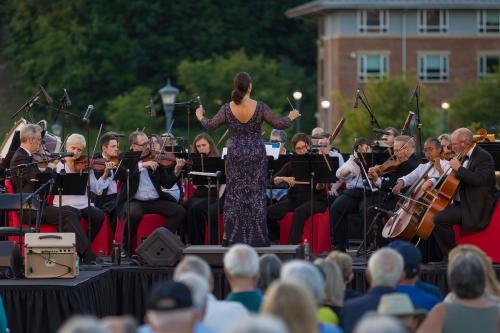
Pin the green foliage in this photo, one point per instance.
(477, 105)
(389, 102)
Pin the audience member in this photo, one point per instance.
(470, 310)
(241, 266)
(379, 324)
(344, 262)
(399, 305)
(219, 314)
(259, 324)
(334, 285)
(119, 324)
(269, 270)
(82, 324)
(384, 271)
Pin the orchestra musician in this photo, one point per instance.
(23, 171)
(197, 205)
(146, 179)
(298, 199)
(445, 140)
(278, 194)
(176, 192)
(475, 199)
(350, 199)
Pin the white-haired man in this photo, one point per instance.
(241, 266)
(385, 269)
(219, 314)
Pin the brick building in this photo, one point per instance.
(444, 43)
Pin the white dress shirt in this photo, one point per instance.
(417, 174)
(77, 201)
(146, 190)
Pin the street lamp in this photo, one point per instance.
(297, 96)
(168, 94)
(325, 105)
(445, 106)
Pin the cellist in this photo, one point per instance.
(473, 204)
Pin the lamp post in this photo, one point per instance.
(445, 106)
(325, 105)
(297, 96)
(168, 94)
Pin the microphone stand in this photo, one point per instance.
(416, 94)
(364, 100)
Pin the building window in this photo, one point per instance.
(372, 66)
(489, 21)
(433, 67)
(432, 21)
(488, 65)
(373, 21)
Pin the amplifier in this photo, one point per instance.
(50, 255)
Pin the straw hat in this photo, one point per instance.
(399, 305)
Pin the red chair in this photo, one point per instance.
(103, 239)
(148, 224)
(321, 237)
(221, 228)
(487, 240)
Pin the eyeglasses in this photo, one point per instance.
(142, 145)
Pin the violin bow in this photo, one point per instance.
(91, 159)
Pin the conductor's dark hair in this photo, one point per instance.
(242, 82)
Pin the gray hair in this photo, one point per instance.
(82, 324)
(334, 281)
(269, 270)
(466, 276)
(29, 131)
(282, 135)
(307, 275)
(374, 323)
(385, 266)
(259, 324)
(241, 261)
(406, 140)
(445, 136)
(198, 287)
(193, 264)
(76, 139)
(463, 134)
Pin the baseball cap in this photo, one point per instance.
(411, 256)
(170, 295)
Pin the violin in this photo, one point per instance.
(391, 164)
(166, 160)
(97, 164)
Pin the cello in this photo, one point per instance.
(443, 197)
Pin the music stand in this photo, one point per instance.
(273, 166)
(64, 184)
(203, 170)
(128, 161)
(314, 169)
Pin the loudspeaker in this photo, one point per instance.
(11, 261)
(161, 248)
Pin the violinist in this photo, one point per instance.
(197, 205)
(445, 140)
(475, 199)
(327, 149)
(277, 194)
(22, 161)
(298, 199)
(146, 179)
(175, 192)
(349, 201)
(79, 204)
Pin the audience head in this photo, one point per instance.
(334, 282)
(373, 323)
(242, 86)
(269, 270)
(199, 291)
(300, 143)
(399, 305)
(82, 324)
(259, 324)
(492, 284)
(404, 147)
(204, 144)
(307, 275)
(385, 268)
(460, 138)
(31, 137)
(119, 324)
(170, 305)
(194, 264)
(411, 256)
(466, 275)
(241, 265)
(344, 262)
(293, 304)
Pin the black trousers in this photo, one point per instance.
(175, 213)
(108, 204)
(443, 229)
(301, 211)
(348, 202)
(375, 218)
(197, 212)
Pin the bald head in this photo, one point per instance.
(462, 134)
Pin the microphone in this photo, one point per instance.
(199, 101)
(88, 112)
(61, 155)
(415, 93)
(66, 98)
(151, 108)
(385, 211)
(33, 102)
(48, 99)
(356, 102)
(381, 131)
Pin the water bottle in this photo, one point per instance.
(116, 253)
(77, 265)
(306, 249)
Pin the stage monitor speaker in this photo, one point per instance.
(161, 248)
(50, 255)
(11, 261)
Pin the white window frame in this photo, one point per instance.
(481, 64)
(444, 22)
(383, 27)
(444, 60)
(362, 72)
(481, 22)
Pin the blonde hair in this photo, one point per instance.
(344, 261)
(334, 282)
(492, 284)
(76, 139)
(293, 304)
